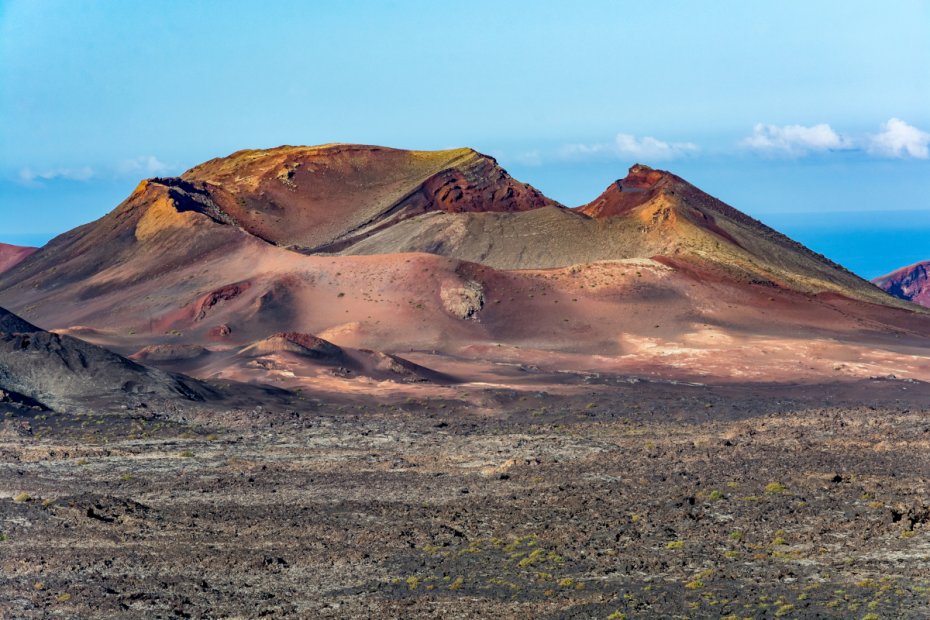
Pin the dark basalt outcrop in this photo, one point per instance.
(64, 372)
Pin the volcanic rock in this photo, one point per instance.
(62, 371)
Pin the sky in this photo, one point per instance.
(812, 116)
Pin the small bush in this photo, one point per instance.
(537, 555)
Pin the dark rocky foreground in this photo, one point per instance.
(629, 501)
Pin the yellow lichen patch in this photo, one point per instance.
(448, 158)
(160, 215)
(139, 188)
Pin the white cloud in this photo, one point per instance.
(138, 167)
(629, 146)
(795, 140)
(30, 176)
(146, 165)
(898, 139)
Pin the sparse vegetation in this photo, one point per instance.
(775, 487)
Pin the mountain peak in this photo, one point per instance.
(641, 176)
(323, 197)
(911, 283)
(641, 185)
(246, 168)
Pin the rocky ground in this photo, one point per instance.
(631, 500)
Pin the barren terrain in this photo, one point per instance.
(620, 498)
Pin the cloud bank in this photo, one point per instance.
(146, 165)
(896, 139)
(137, 168)
(629, 146)
(30, 176)
(795, 140)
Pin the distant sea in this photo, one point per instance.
(868, 243)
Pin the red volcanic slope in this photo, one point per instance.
(12, 255)
(911, 283)
(640, 186)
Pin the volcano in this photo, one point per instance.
(445, 260)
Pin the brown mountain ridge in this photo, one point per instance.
(444, 259)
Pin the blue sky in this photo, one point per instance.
(813, 116)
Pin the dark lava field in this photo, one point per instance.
(633, 500)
